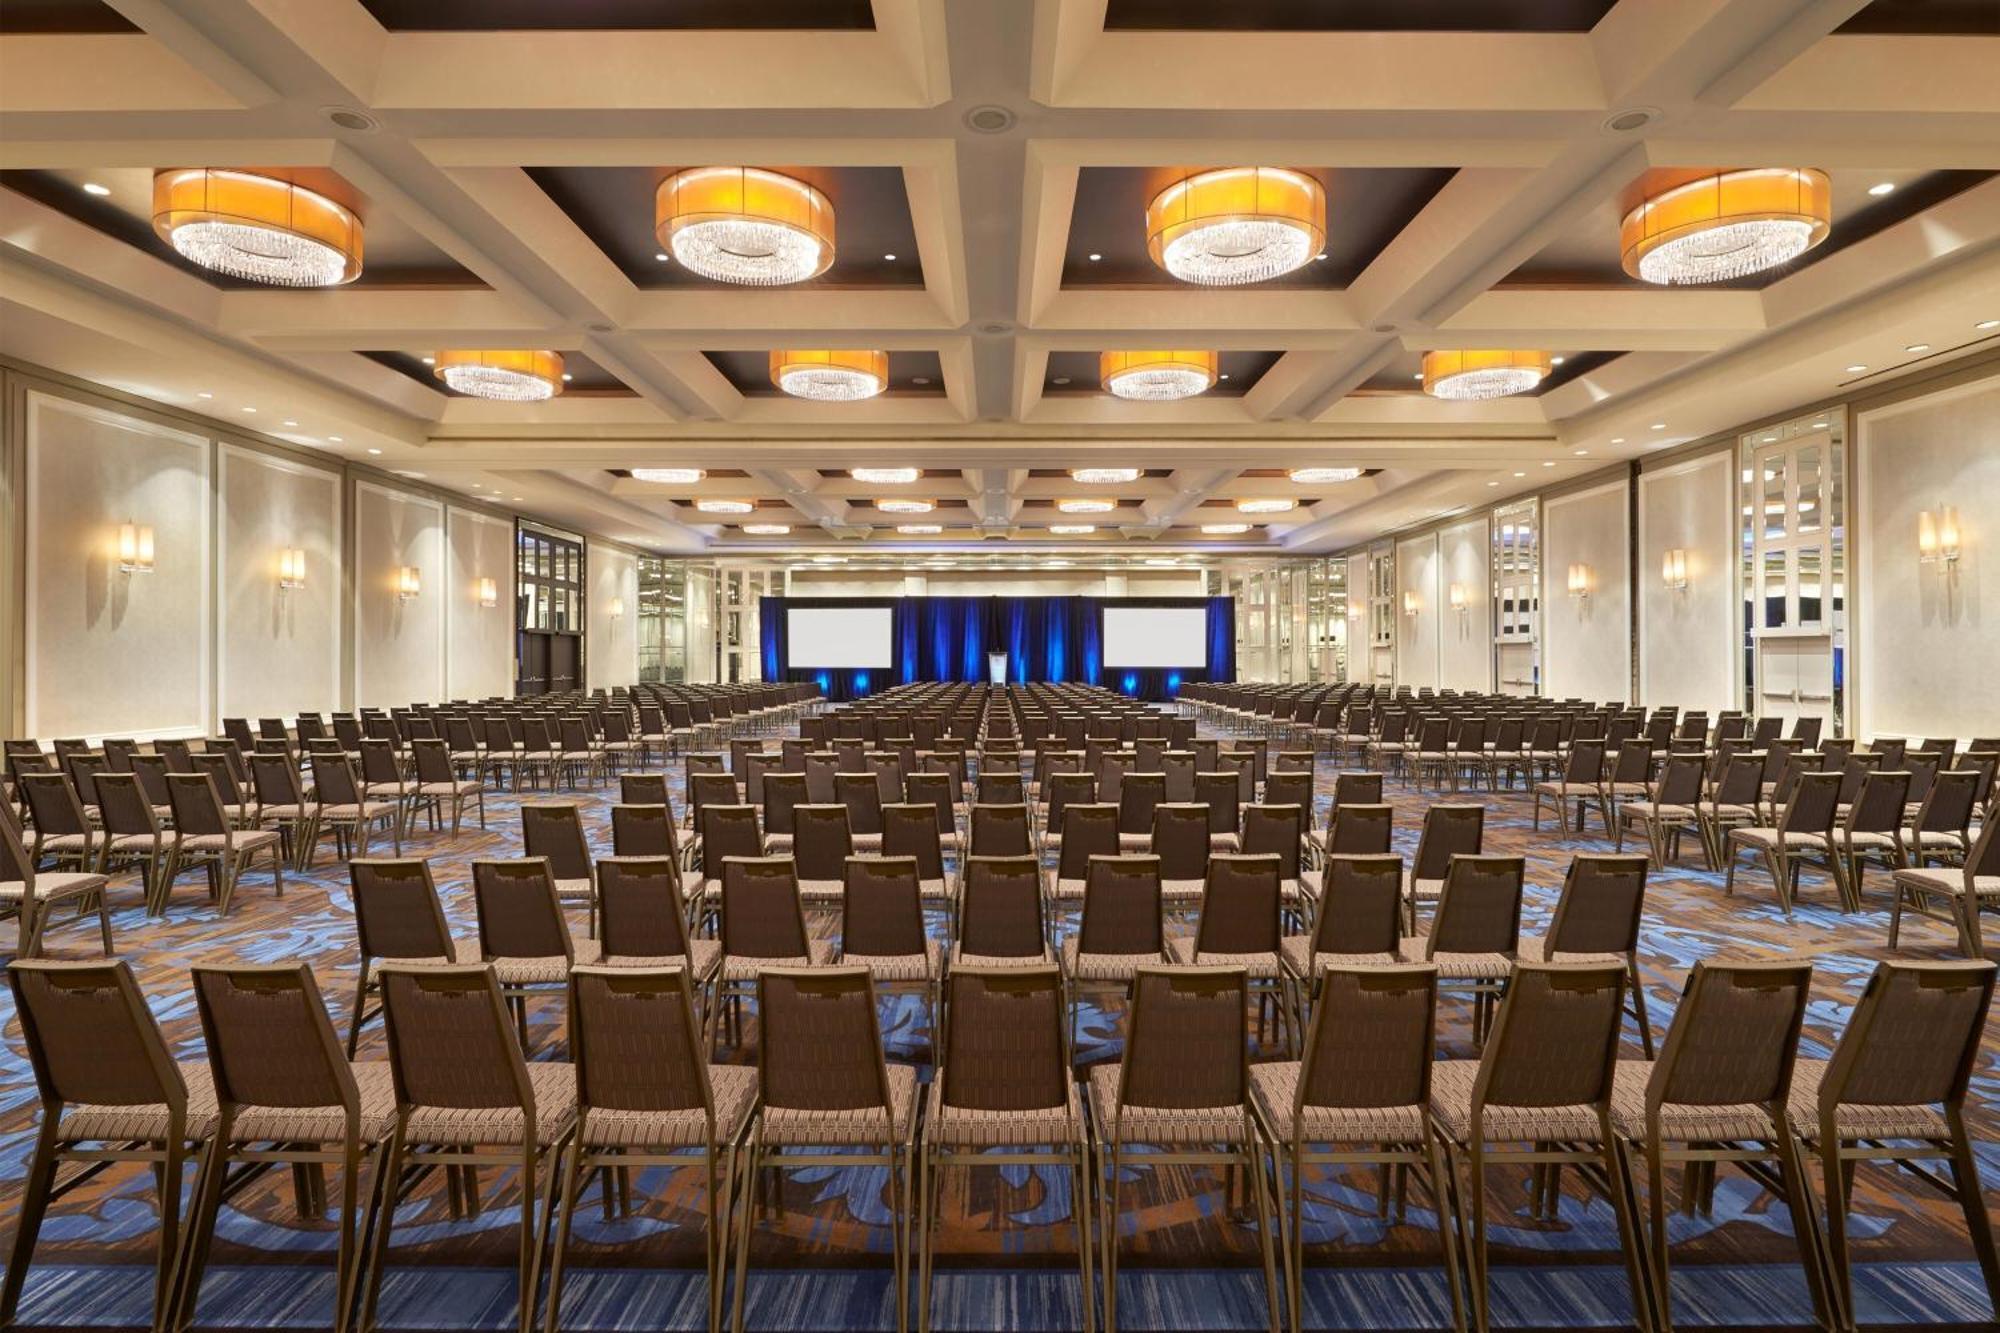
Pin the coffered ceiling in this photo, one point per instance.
(989, 166)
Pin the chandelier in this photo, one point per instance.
(669, 476)
(1267, 505)
(1156, 377)
(919, 529)
(258, 228)
(744, 225)
(1086, 506)
(1224, 529)
(509, 376)
(1323, 476)
(1104, 476)
(1237, 224)
(904, 506)
(830, 377)
(767, 529)
(885, 476)
(725, 506)
(1711, 226)
(1468, 376)
(1071, 529)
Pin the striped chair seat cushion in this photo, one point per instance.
(1293, 951)
(1294, 891)
(365, 810)
(324, 1124)
(1135, 842)
(1459, 966)
(463, 953)
(147, 1123)
(1934, 838)
(1862, 842)
(1769, 837)
(1069, 889)
(1034, 1127)
(575, 890)
(692, 883)
(1713, 810)
(449, 788)
(1224, 842)
(925, 966)
(737, 967)
(1680, 1122)
(543, 971)
(1423, 890)
(732, 1090)
(52, 844)
(244, 840)
(822, 890)
(1654, 810)
(789, 1127)
(959, 958)
(1259, 966)
(1533, 949)
(285, 812)
(1566, 789)
(700, 961)
(554, 1085)
(1947, 882)
(144, 842)
(1182, 890)
(1104, 966)
(1859, 1121)
(1451, 1108)
(1276, 1088)
(867, 843)
(777, 844)
(51, 887)
(1628, 788)
(1183, 1125)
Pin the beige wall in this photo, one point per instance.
(399, 645)
(479, 659)
(277, 649)
(108, 652)
(1465, 639)
(701, 627)
(1924, 635)
(1586, 644)
(1417, 635)
(998, 583)
(611, 646)
(1688, 638)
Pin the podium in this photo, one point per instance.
(996, 668)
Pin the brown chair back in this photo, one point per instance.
(1240, 905)
(1360, 905)
(639, 908)
(519, 913)
(1000, 908)
(882, 908)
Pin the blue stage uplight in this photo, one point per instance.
(825, 682)
(861, 683)
(1131, 683)
(1173, 683)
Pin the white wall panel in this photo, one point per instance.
(109, 652)
(278, 650)
(611, 645)
(1417, 635)
(1586, 642)
(479, 661)
(1465, 639)
(1688, 637)
(399, 644)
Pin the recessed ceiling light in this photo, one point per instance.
(1104, 476)
(919, 529)
(1094, 258)
(1492, 483)
(517, 499)
(904, 505)
(1556, 360)
(1881, 189)
(1061, 379)
(1985, 324)
(1819, 425)
(1085, 506)
(1856, 370)
(1659, 425)
(1223, 376)
(1550, 463)
(662, 256)
(430, 360)
(1520, 474)
(1582, 452)
(717, 506)
(1072, 529)
(1918, 347)
(417, 475)
(204, 395)
(336, 440)
(890, 258)
(1618, 439)
(885, 476)
(567, 377)
(250, 410)
(1320, 255)
(92, 187)
(291, 423)
(1418, 376)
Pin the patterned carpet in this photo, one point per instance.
(1004, 1245)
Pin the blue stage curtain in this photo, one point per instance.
(1045, 639)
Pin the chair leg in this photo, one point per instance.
(1254, 1164)
(28, 1225)
(1080, 1205)
(1978, 1222)
(168, 1178)
(1443, 1201)
(567, 1188)
(1827, 1309)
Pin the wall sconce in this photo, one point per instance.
(1409, 604)
(616, 607)
(1458, 602)
(1937, 535)
(489, 594)
(408, 582)
(1674, 569)
(135, 548)
(291, 569)
(1579, 581)
(1357, 609)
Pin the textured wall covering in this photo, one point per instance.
(480, 659)
(1924, 639)
(1688, 637)
(611, 645)
(399, 653)
(277, 650)
(106, 651)
(1586, 649)
(1465, 639)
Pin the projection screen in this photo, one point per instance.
(838, 636)
(1155, 636)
